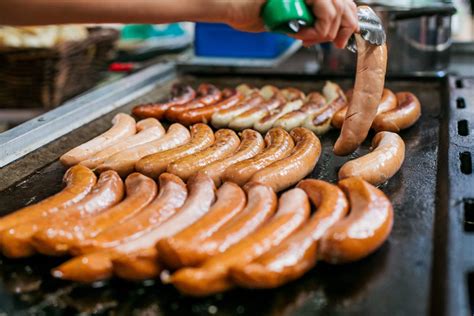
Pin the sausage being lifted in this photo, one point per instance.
(368, 89)
(381, 164)
(403, 116)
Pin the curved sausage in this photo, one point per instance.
(86, 269)
(252, 143)
(286, 172)
(180, 94)
(368, 89)
(379, 165)
(265, 123)
(366, 228)
(250, 117)
(148, 130)
(204, 114)
(123, 127)
(143, 265)
(279, 146)
(222, 118)
(153, 165)
(208, 94)
(58, 237)
(403, 116)
(79, 182)
(314, 102)
(169, 200)
(261, 206)
(225, 145)
(17, 241)
(174, 251)
(213, 276)
(124, 161)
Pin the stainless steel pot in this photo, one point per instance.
(418, 39)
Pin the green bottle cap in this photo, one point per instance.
(278, 14)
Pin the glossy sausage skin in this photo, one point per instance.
(123, 127)
(148, 130)
(176, 251)
(266, 123)
(279, 146)
(286, 172)
(261, 206)
(368, 89)
(201, 138)
(180, 94)
(366, 228)
(169, 200)
(250, 117)
(79, 182)
(226, 143)
(143, 265)
(57, 238)
(252, 143)
(403, 116)
(379, 165)
(124, 162)
(223, 117)
(213, 276)
(17, 241)
(299, 253)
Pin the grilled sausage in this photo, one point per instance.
(368, 89)
(286, 172)
(403, 116)
(225, 145)
(298, 254)
(314, 102)
(124, 161)
(79, 182)
(154, 165)
(381, 164)
(279, 146)
(213, 276)
(261, 205)
(365, 229)
(265, 123)
(143, 265)
(252, 143)
(123, 127)
(174, 251)
(171, 197)
(17, 241)
(180, 94)
(223, 117)
(148, 130)
(57, 237)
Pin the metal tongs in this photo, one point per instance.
(289, 16)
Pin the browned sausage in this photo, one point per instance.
(154, 165)
(368, 89)
(17, 241)
(123, 127)
(314, 102)
(223, 117)
(403, 116)
(79, 182)
(173, 251)
(143, 265)
(298, 254)
(180, 94)
(381, 164)
(124, 161)
(365, 229)
(57, 237)
(286, 172)
(212, 277)
(252, 143)
(279, 146)
(225, 145)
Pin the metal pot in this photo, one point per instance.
(418, 39)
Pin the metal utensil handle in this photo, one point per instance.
(279, 14)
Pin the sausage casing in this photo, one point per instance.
(403, 116)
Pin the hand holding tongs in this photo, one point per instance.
(289, 16)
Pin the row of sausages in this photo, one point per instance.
(198, 238)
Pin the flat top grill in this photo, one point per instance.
(397, 279)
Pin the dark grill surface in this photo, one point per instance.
(396, 280)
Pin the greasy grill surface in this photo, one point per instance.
(397, 278)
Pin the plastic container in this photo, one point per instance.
(220, 40)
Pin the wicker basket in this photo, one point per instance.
(45, 78)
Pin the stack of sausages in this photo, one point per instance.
(201, 239)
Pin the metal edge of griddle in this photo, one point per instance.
(33, 134)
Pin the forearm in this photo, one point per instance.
(37, 12)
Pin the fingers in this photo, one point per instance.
(349, 25)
